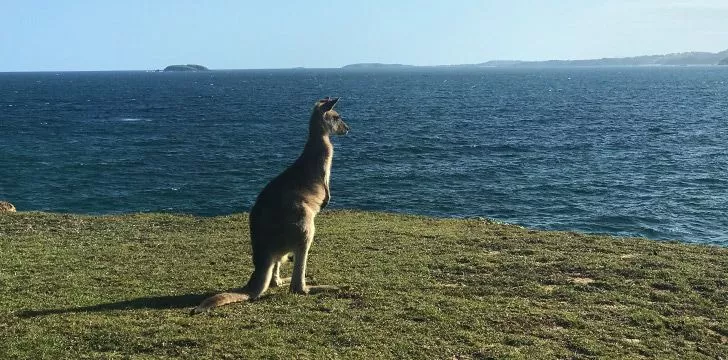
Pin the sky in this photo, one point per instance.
(55, 35)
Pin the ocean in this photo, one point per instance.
(635, 151)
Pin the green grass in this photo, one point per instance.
(412, 287)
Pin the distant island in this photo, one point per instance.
(188, 67)
(676, 59)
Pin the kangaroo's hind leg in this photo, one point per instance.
(261, 277)
(277, 280)
(300, 258)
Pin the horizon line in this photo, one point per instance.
(389, 63)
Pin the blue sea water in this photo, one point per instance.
(625, 151)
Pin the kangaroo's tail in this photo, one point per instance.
(220, 300)
(257, 285)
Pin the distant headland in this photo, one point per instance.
(376, 66)
(675, 59)
(188, 67)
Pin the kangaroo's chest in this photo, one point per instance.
(327, 168)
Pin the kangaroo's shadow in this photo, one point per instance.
(164, 302)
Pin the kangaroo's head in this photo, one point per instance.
(326, 120)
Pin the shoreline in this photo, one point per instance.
(393, 213)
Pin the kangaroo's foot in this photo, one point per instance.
(314, 289)
(278, 282)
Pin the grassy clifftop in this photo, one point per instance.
(412, 287)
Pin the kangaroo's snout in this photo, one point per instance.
(340, 128)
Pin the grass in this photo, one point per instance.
(412, 287)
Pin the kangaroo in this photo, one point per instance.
(282, 218)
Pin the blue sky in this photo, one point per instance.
(137, 35)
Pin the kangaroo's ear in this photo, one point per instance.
(327, 103)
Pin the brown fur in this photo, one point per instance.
(282, 218)
(6, 207)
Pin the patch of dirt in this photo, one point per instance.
(582, 280)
